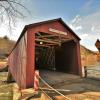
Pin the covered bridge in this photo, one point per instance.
(45, 45)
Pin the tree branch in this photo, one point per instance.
(10, 9)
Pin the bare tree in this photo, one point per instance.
(10, 10)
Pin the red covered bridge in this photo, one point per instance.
(49, 45)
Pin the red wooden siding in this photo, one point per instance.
(17, 62)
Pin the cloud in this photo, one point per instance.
(78, 28)
(88, 40)
(76, 19)
(84, 36)
(75, 28)
(88, 24)
(92, 28)
(87, 27)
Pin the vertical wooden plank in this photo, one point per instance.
(30, 58)
(79, 59)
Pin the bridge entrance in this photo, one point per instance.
(54, 52)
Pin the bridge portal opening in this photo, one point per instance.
(57, 53)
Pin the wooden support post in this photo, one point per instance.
(85, 71)
(10, 78)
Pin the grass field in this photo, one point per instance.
(6, 90)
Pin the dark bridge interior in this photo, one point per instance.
(54, 52)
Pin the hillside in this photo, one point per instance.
(88, 57)
(84, 51)
(5, 45)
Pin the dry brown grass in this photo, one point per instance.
(6, 91)
(3, 64)
(88, 57)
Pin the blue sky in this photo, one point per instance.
(83, 16)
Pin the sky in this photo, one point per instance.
(83, 16)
